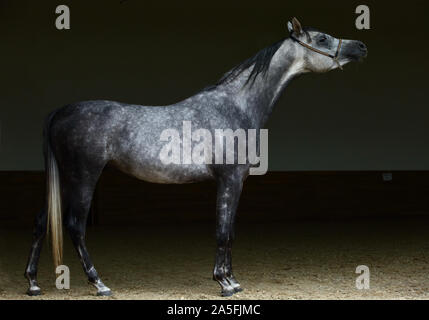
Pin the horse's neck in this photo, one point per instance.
(258, 99)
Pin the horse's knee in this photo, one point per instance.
(222, 237)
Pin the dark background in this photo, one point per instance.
(331, 135)
(302, 228)
(372, 116)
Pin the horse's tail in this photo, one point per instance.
(54, 222)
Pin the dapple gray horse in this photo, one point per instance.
(81, 138)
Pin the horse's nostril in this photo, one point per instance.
(362, 46)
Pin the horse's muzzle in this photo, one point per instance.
(355, 50)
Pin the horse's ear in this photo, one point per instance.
(294, 26)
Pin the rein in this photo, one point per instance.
(333, 57)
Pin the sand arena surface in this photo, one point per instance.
(282, 260)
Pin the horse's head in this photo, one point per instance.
(322, 52)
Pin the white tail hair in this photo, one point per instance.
(54, 226)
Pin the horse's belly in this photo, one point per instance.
(141, 153)
(168, 173)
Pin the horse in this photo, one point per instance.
(80, 139)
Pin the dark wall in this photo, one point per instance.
(372, 116)
(276, 196)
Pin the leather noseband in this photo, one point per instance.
(333, 57)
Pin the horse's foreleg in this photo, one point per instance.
(228, 195)
(39, 233)
(228, 262)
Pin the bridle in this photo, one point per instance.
(333, 57)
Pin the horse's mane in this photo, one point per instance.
(260, 62)
(309, 29)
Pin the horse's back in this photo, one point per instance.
(125, 135)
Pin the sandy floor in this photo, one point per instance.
(287, 260)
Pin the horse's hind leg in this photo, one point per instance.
(78, 195)
(39, 233)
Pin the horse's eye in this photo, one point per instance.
(323, 39)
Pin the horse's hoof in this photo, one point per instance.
(238, 289)
(102, 290)
(34, 291)
(104, 293)
(227, 293)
